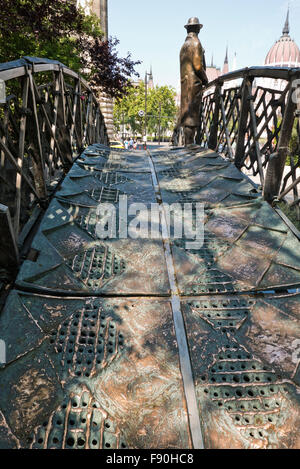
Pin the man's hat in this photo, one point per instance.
(193, 22)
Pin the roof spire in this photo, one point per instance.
(212, 60)
(226, 63)
(151, 74)
(226, 57)
(286, 28)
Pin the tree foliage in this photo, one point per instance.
(160, 101)
(106, 68)
(129, 106)
(59, 30)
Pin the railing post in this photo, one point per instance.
(63, 133)
(277, 160)
(245, 109)
(213, 138)
(87, 125)
(9, 255)
(2, 153)
(73, 129)
(225, 126)
(36, 144)
(255, 133)
(25, 91)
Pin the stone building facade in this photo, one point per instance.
(100, 8)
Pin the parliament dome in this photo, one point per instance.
(285, 52)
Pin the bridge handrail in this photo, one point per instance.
(18, 68)
(48, 114)
(279, 73)
(254, 123)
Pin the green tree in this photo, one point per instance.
(160, 101)
(59, 30)
(294, 145)
(126, 109)
(44, 28)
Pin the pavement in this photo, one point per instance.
(121, 336)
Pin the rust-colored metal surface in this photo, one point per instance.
(92, 373)
(70, 255)
(142, 343)
(245, 357)
(246, 247)
(72, 259)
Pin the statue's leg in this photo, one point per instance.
(189, 135)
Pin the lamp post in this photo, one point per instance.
(123, 116)
(146, 93)
(159, 126)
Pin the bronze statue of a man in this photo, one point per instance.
(193, 77)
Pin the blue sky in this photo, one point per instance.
(153, 31)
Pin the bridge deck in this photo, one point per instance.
(143, 343)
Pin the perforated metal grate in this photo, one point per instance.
(211, 281)
(105, 194)
(111, 179)
(252, 395)
(170, 173)
(79, 423)
(88, 222)
(97, 265)
(227, 315)
(87, 342)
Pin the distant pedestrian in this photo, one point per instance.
(130, 144)
(126, 144)
(145, 142)
(135, 145)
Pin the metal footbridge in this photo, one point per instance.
(141, 343)
(145, 342)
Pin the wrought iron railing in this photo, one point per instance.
(48, 114)
(251, 116)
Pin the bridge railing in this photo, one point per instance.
(251, 116)
(48, 114)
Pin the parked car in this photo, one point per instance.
(116, 144)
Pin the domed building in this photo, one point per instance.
(284, 53)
